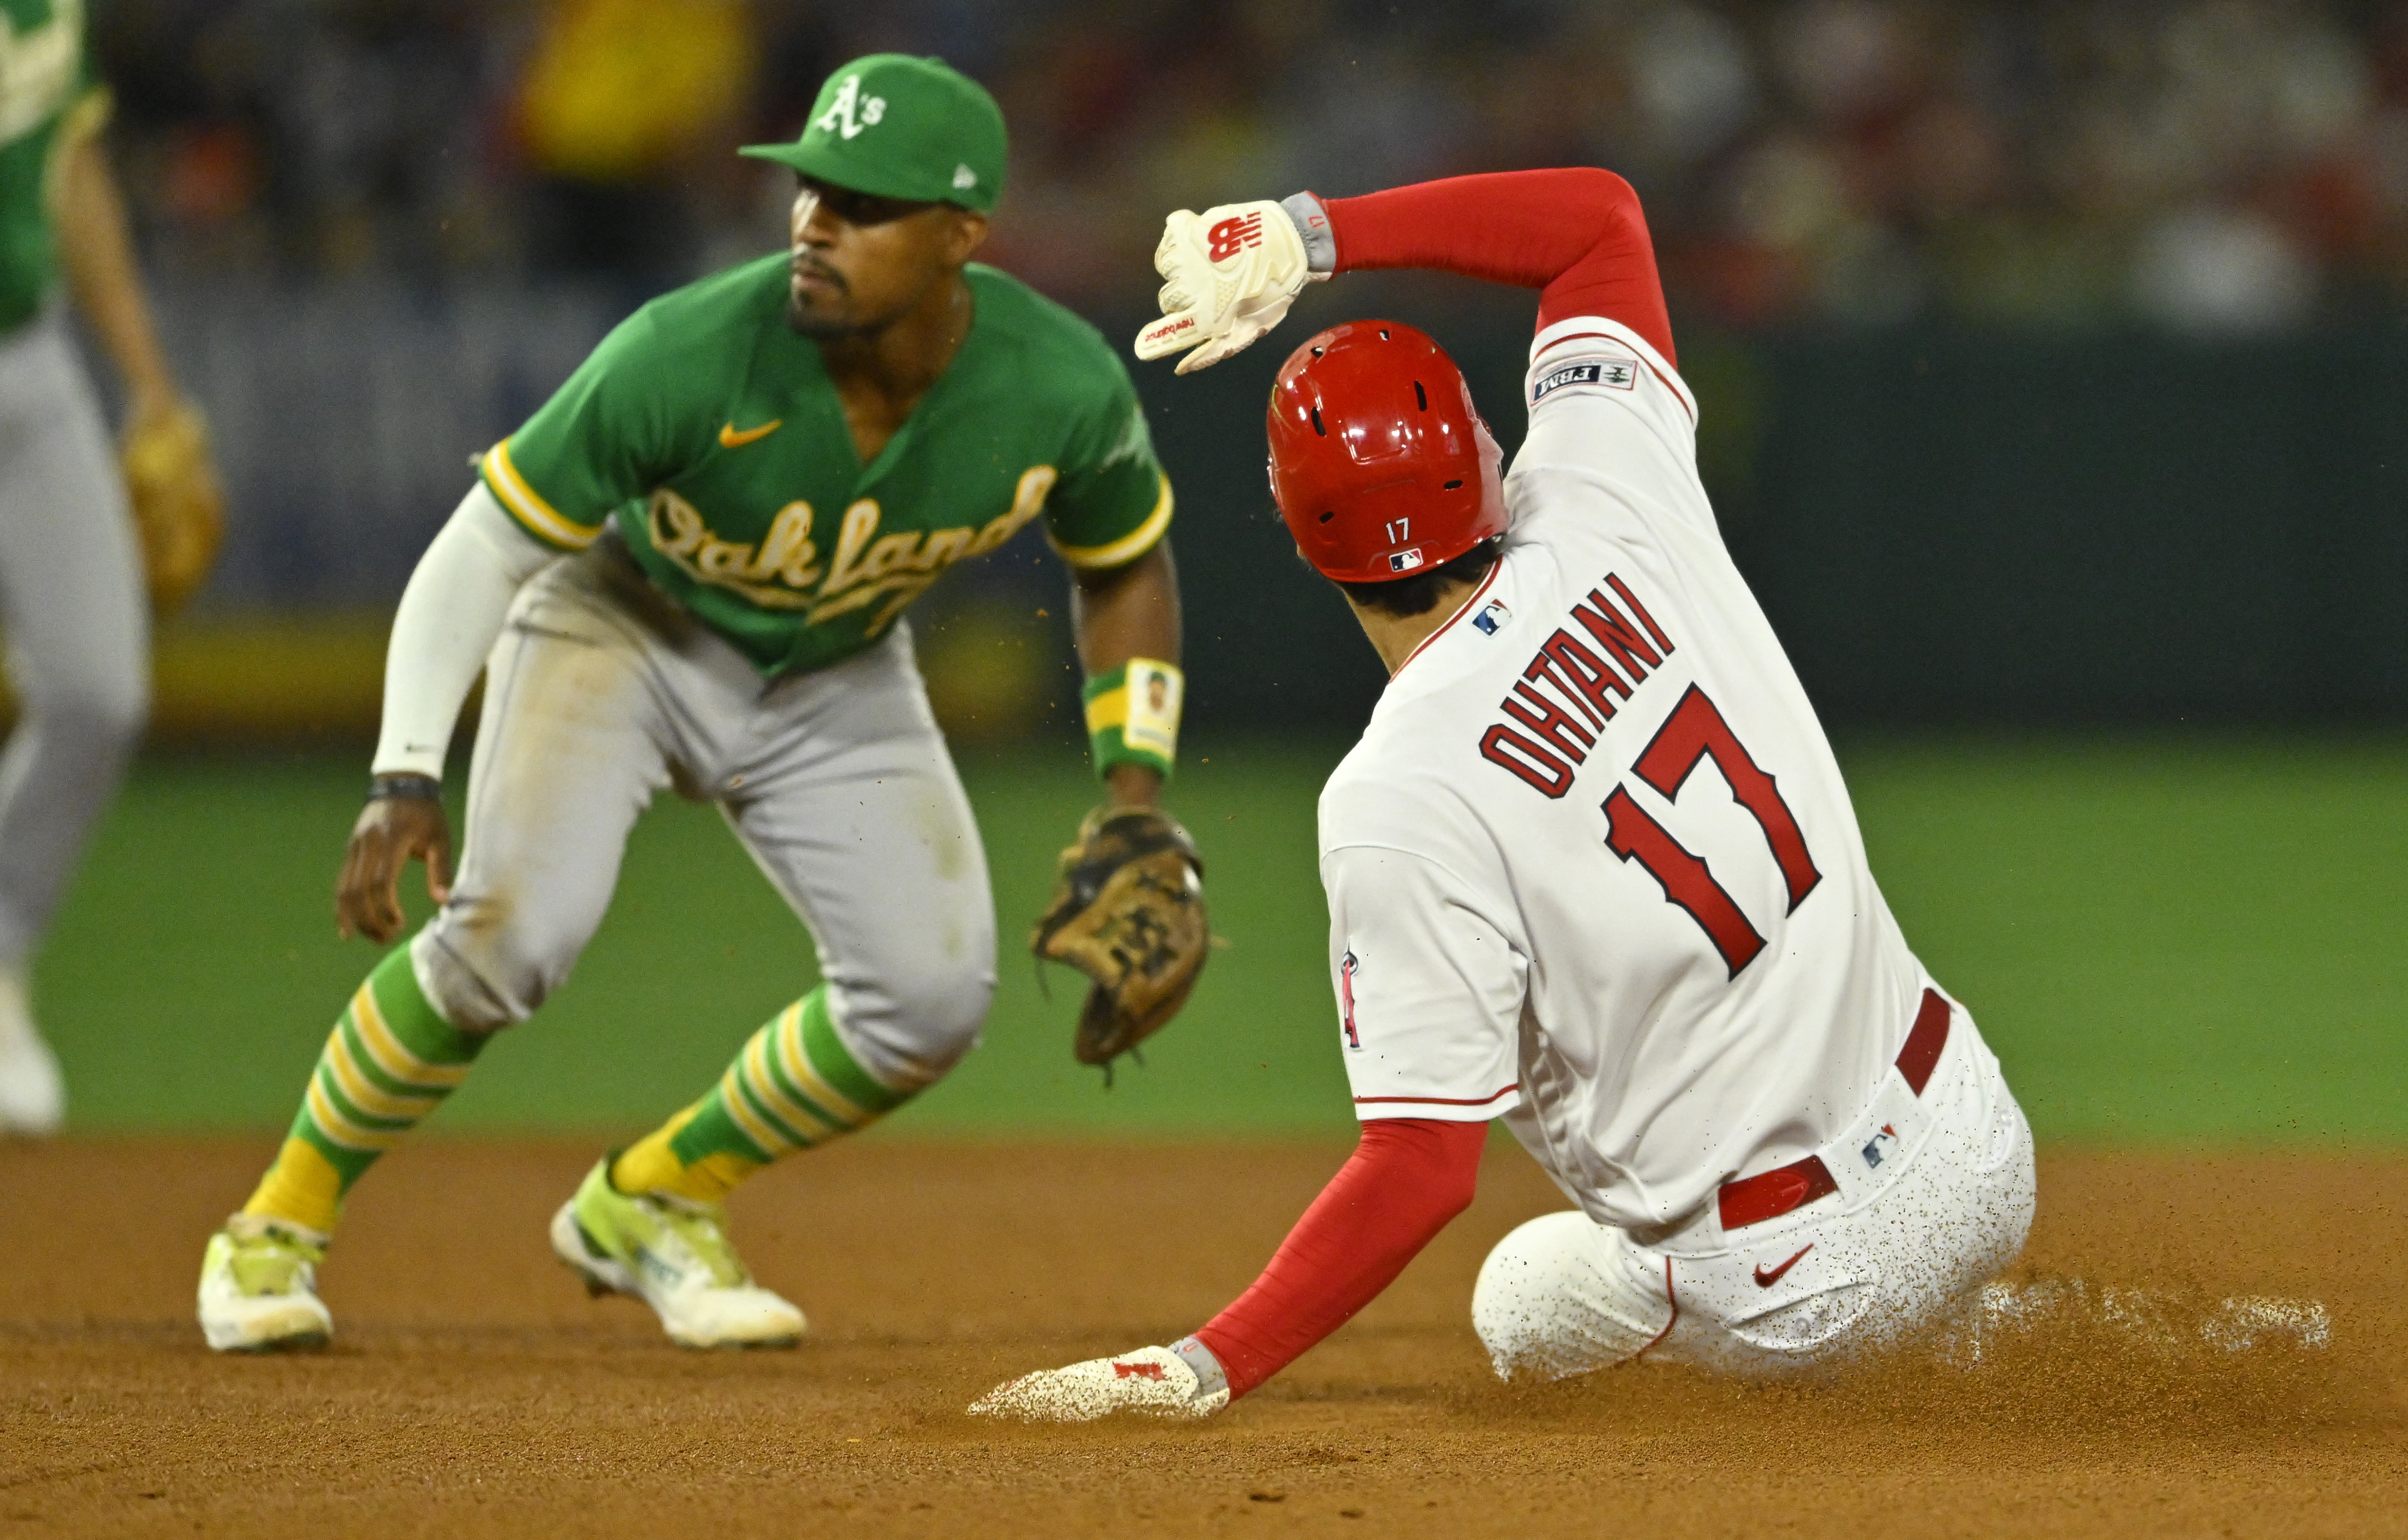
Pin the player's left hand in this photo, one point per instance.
(1229, 274)
(1154, 1381)
(179, 509)
(1128, 912)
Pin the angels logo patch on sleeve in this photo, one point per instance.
(1596, 374)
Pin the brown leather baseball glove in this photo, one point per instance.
(1128, 912)
(179, 510)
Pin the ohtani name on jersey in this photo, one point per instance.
(1552, 731)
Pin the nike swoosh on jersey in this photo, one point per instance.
(1765, 1280)
(731, 437)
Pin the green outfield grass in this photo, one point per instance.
(2166, 939)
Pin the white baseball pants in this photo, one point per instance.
(1866, 1265)
(600, 693)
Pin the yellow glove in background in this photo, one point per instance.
(178, 508)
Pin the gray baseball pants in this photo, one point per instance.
(601, 693)
(72, 605)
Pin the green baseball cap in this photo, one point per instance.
(901, 127)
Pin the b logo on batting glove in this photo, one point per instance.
(1229, 274)
(1232, 236)
(1154, 1381)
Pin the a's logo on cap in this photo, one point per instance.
(963, 178)
(852, 112)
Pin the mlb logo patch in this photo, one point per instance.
(1405, 561)
(1492, 616)
(1880, 1148)
(1607, 374)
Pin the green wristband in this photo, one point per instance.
(1133, 716)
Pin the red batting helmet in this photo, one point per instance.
(1380, 463)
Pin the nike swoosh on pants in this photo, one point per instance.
(1765, 1280)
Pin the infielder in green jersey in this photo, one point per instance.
(696, 558)
(71, 595)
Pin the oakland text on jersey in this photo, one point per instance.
(1551, 739)
(783, 572)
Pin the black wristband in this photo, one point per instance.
(408, 784)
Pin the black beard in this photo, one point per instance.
(820, 328)
(805, 323)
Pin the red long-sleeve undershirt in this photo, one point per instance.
(1577, 234)
(1407, 1178)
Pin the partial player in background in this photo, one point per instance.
(71, 581)
(1592, 869)
(688, 571)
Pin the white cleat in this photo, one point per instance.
(259, 1288)
(674, 1256)
(32, 1097)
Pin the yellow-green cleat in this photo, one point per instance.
(672, 1254)
(259, 1288)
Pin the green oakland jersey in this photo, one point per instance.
(47, 97)
(709, 431)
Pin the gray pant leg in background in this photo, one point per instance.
(78, 625)
(599, 693)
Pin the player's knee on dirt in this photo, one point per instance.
(486, 964)
(1551, 1301)
(909, 1028)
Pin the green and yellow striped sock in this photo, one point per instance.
(390, 1060)
(796, 1085)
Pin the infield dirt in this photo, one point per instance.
(473, 1390)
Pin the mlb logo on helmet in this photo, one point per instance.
(1405, 561)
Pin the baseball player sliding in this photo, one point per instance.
(71, 578)
(1592, 869)
(688, 571)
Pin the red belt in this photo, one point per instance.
(1771, 1194)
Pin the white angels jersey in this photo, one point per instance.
(1592, 866)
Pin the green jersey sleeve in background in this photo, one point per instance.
(49, 98)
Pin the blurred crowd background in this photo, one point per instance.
(2213, 165)
(2030, 336)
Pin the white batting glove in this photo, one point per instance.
(1153, 1380)
(1229, 274)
